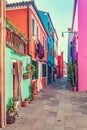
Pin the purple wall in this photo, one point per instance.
(82, 45)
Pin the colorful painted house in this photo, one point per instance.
(55, 68)
(50, 43)
(79, 41)
(60, 65)
(28, 20)
(16, 61)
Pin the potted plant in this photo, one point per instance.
(16, 29)
(11, 113)
(22, 35)
(32, 90)
(25, 103)
(26, 75)
(31, 68)
(16, 101)
(74, 76)
(27, 40)
(30, 98)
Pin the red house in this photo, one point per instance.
(60, 66)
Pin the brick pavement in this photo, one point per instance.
(56, 108)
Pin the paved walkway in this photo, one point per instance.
(56, 108)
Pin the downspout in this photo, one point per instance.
(28, 29)
(28, 34)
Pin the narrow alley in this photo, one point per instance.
(56, 107)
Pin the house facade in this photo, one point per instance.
(55, 69)
(50, 43)
(16, 62)
(30, 24)
(60, 65)
(78, 42)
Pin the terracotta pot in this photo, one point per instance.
(74, 88)
(25, 76)
(10, 119)
(25, 103)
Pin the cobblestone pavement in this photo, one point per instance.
(56, 108)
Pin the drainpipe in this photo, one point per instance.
(28, 28)
(2, 64)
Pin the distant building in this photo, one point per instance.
(60, 65)
(52, 44)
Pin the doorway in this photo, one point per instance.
(17, 75)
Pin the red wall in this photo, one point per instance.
(60, 66)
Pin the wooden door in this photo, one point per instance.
(17, 75)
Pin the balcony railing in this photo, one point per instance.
(15, 42)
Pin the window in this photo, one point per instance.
(37, 32)
(48, 26)
(33, 26)
(35, 63)
(43, 70)
(43, 41)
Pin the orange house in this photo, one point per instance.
(25, 16)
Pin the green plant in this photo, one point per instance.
(7, 20)
(16, 29)
(21, 34)
(72, 71)
(30, 97)
(26, 73)
(15, 99)
(26, 99)
(27, 40)
(74, 74)
(12, 110)
(16, 45)
(32, 89)
(31, 68)
(12, 26)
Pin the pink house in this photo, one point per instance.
(79, 25)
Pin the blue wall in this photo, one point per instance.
(50, 41)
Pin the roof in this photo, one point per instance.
(49, 17)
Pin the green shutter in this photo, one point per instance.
(43, 70)
(35, 63)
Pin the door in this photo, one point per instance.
(39, 76)
(17, 75)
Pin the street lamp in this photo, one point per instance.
(69, 31)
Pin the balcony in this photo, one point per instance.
(15, 42)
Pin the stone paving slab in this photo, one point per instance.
(57, 107)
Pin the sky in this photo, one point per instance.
(61, 12)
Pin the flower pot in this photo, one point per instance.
(25, 76)
(10, 119)
(74, 88)
(25, 103)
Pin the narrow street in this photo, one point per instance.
(56, 108)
